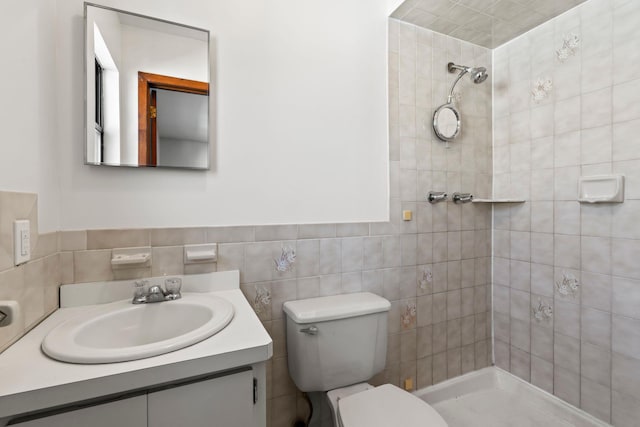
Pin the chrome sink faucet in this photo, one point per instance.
(143, 293)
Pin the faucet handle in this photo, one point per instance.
(140, 291)
(436, 196)
(140, 287)
(173, 287)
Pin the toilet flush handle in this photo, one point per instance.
(311, 330)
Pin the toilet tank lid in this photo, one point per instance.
(335, 307)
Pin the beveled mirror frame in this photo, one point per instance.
(199, 89)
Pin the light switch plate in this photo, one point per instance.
(21, 241)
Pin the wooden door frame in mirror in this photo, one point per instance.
(147, 153)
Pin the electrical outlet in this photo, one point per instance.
(9, 313)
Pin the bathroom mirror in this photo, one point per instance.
(446, 122)
(146, 91)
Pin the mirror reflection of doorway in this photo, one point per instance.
(172, 118)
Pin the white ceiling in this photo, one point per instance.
(487, 23)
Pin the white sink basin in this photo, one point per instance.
(121, 331)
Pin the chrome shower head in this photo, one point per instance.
(478, 75)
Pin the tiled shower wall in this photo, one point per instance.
(588, 352)
(459, 234)
(435, 269)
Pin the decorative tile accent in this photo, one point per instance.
(568, 286)
(427, 277)
(541, 89)
(262, 301)
(408, 316)
(543, 311)
(569, 47)
(286, 260)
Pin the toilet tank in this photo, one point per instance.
(337, 340)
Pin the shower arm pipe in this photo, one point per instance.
(478, 75)
(455, 82)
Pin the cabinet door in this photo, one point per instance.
(130, 412)
(225, 401)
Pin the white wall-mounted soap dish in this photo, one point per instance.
(601, 189)
(131, 257)
(194, 254)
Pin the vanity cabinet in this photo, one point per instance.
(131, 412)
(217, 382)
(223, 401)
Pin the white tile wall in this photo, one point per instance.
(589, 124)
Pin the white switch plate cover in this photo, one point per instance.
(21, 241)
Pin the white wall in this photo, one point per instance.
(392, 5)
(587, 125)
(299, 117)
(29, 142)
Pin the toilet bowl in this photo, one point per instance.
(363, 405)
(385, 406)
(337, 343)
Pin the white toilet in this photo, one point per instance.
(336, 343)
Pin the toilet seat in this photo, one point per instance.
(386, 406)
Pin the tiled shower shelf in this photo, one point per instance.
(498, 200)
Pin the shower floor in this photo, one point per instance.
(492, 397)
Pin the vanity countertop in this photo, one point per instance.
(32, 381)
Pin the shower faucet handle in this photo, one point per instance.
(437, 196)
(462, 197)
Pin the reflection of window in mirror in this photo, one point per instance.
(106, 146)
(99, 110)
